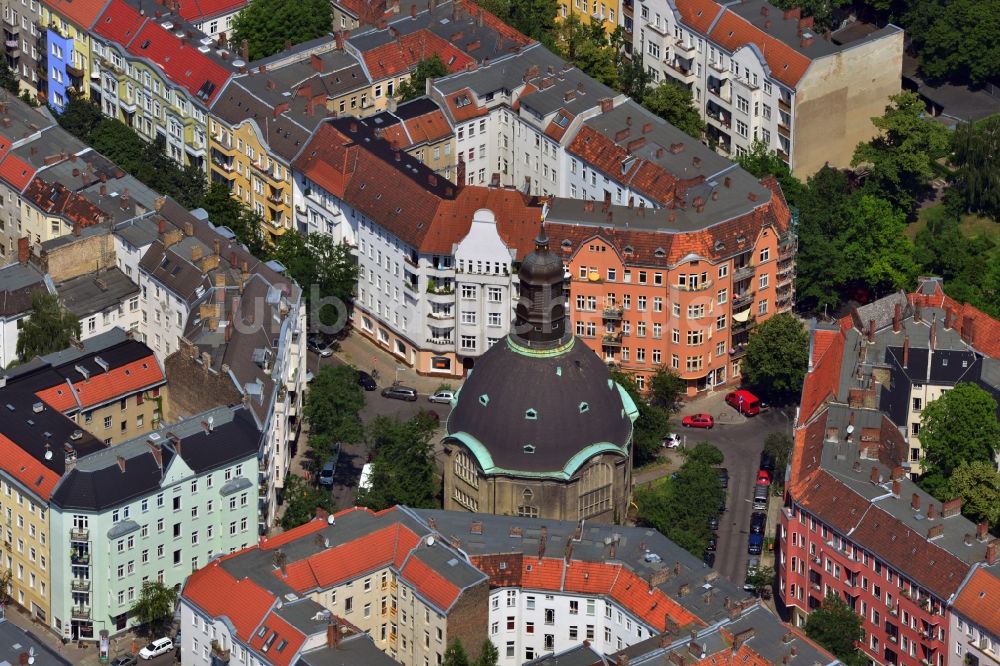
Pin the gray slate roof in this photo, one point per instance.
(95, 292)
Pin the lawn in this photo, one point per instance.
(972, 225)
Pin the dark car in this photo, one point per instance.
(724, 477)
(366, 381)
(755, 544)
(722, 504)
(713, 543)
(708, 557)
(400, 393)
(124, 660)
(713, 523)
(766, 462)
(758, 519)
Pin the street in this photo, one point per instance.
(741, 444)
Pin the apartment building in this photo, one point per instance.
(67, 44)
(264, 117)
(757, 72)
(154, 508)
(19, 281)
(974, 627)
(385, 573)
(436, 286)
(102, 300)
(24, 44)
(515, 115)
(55, 405)
(854, 523)
(214, 18)
(607, 14)
(159, 76)
(420, 128)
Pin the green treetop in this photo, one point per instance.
(49, 328)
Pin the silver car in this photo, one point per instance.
(443, 397)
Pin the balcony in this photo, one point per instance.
(442, 315)
(685, 73)
(783, 105)
(612, 339)
(743, 272)
(700, 286)
(784, 131)
(225, 166)
(441, 342)
(79, 534)
(722, 92)
(80, 585)
(80, 613)
(82, 559)
(276, 198)
(718, 119)
(11, 43)
(613, 313)
(685, 47)
(740, 326)
(72, 70)
(259, 168)
(721, 70)
(660, 29)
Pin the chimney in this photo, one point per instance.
(875, 476)
(316, 62)
(196, 253)
(413, 11)
(916, 311)
(542, 540)
(460, 173)
(23, 250)
(895, 318)
(332, 634)
(906, 351)
(339, 39)
(967, 329)
(951, 508)
(982, 530)
(216, 244)
(871, 330)
(931, 511)
(968, 539)
(991, 552)
(121, 464)
(915, 502)
(948, 318)
(935, 531)
(245, 51)
(933, 340)
(895, 487)
(607, 104)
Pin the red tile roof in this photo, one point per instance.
(30, 472)
(732, 31)
(542, 574)
(181, 61)
(279, 540)
(116, 382)
(979, 600)
(698, 14)
(193, 10)
(468, 108)
(822, 339)
(402, 54)
(119, 23)
(496, 24)
(429, 127)
(217, 593)
(651, 606)
(82, 14)
(984, 330)
(429, 583)
(277, 631)
(821, 384)
(16, 172)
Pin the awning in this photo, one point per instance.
(742, 316)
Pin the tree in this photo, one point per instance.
(978, 484)
(49, 327)
(761, 579)
(535, 18)
(268, 25)
(488, 654)
(79, 117)
(301, 500)
(901, 156)
(820, 10)
(403, 469)
(673, 103)
(8, 77)
(959, 427)
(680, 507)
(837, 628)
(454, 654)
(155, 603)
(665, 388)
(223, 210)
(587, 46)
(776, 357)
(416, 86)
(650, 426)
(955, 40)
(974, 150)
(332, 406)
(778, 445)
(633, 77)
(315, 260)
(876, 245)
(6, 577)
(762, 162)
(704, 452)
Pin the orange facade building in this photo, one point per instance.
(677, 287)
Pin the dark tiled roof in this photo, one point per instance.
(17, 284)
(95, 292)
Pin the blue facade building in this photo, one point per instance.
(60, 52)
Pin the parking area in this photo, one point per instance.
(741, 441)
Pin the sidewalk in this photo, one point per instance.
(70, 652)
(714, 403)
(363, 354)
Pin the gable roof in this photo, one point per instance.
(180, 61)
(979, 599)
(194, 10)
(29, 471)
(119, 23)
(402, 54)
(218, 594)
(732, 32)
(82, 14)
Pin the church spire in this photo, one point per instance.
(540, 315)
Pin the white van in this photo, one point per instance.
(366, 477)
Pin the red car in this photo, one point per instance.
(698, 421)
(763, 478)
(745, 402)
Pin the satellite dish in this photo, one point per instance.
(430, 541)
(330, 520)
(48, 455)
(850, 429)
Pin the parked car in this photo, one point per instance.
(127, 659)
(760, 497)
(743, 401)
(758, 520)
(755, 544)
(156, 648)
(443, 397)
(763, 478)
(366, 381)
(399, 392)
(698, 421)
(713, 543)
(766, 461)
(319, 346)
(708, 557)
(722, 505)
(752, 565)
(713, 523)
(326, 473)
(724, 477)
(672, 441)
